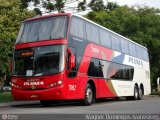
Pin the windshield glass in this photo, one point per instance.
(38, 61)
(24, 62)
(43, 29)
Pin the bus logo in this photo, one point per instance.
(95, 49)
(135, 61)
(72, 87)
(33, 87)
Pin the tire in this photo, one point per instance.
(140, 95)
(136, 93)
(45, 102)
(89, 96)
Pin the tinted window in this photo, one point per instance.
(110, 70)
(23, 62)
(139, 52)
(38, 61)
(77, 27)
(120, 71)
(43, 29)
(116, 43)
(145, 54)
(132, 49)
(125, 46)
(95, 68)
(105, 38)
(92, 32)
(95, 34)
(49, 60)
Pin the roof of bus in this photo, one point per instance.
(70, 14)
(50, 15)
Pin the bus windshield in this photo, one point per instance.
(43, 29)
(39, 61)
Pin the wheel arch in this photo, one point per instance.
(142, 88)
(136, 84)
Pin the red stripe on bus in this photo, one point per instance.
(40, 43)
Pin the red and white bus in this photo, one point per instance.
(67, 57)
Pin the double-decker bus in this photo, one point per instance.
(63, 56)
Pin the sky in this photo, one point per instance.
(150, 3)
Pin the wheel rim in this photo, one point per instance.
(140, 93)
(136, 93)
(89, 95)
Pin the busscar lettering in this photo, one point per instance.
(95, 49)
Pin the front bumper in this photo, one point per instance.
(45, 94)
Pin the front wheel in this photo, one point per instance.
(89, 95)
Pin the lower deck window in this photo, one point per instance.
(110, 70)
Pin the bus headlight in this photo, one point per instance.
(57, 83)
(15, 85)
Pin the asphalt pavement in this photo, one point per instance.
(149, 105)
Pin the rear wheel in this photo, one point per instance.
(140, 94)
(89, 95)
(136, 93)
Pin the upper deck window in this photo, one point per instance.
(43, 29)
(77, 27)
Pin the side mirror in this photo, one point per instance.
(71, 60)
